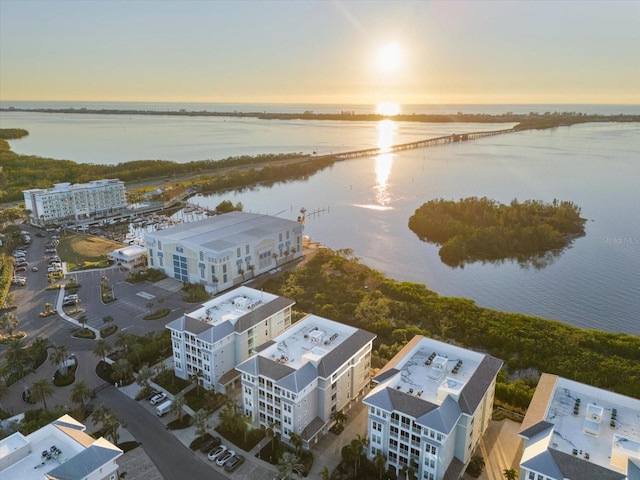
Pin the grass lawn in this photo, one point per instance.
(84, 251)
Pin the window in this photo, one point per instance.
(238, 252)
(180, 271)
(246, 249)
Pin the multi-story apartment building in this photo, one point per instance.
(298, 380)
(223, 332)
(575, 431)
(58, 451)
(430, 407)
(224, 250)
(74, 202)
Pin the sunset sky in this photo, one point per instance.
(428, 52)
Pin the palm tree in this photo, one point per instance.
(41, 389)
(289, 465)
(109, 422)
(3, 389)
(380, 462)
(325, 474)
(59, 357)
(358, 444)
(122, 370)
(8, 323)
(39, 345)
(296, 441)
(124, 341)
(510, 474)
(101, 349)
(271, 434)
(339, 417)
(176, 406)
(199, 420)
(195, 379)
(81, 392)
(144, 375)
(17, 356)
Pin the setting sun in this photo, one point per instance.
(389, 57)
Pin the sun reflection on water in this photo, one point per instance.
(384, 161)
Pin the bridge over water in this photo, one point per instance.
(461, 137)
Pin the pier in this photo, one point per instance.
(462, 137)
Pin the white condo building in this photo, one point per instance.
(224, 250)
(74, 202)
(301, 377)
(223, 332)
(573, 431)
(430, 407)
(58, 451)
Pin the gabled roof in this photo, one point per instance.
(312, 429)
(343, 352)
(252, 318)
(383, 375)
(258, 365)
(85, 462)
(455, 469)
(534, 430)
(213, 334)
(299, 379)
(475, 389)
(442, 419)
(188, 324)
(560, 465)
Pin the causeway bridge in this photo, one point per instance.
(456, 137)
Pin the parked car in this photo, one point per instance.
(153, 394)
(158, 398)
(20, 269)
(216, 452)
(20, 281)
(210, 444)
(233, 463)
(222, 459)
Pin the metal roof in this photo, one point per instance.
(222, 232)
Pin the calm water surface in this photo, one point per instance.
(594, 284)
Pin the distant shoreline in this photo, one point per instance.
(529, 120)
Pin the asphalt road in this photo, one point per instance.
(170, 456)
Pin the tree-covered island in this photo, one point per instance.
(480, 229)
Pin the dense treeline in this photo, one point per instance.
(337, 286)
(22, 172)
(473, 229)
(530, 120)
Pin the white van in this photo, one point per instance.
(163, 408)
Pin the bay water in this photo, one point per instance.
(365, 203)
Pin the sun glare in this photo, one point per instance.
(388, 108)
(390, 57)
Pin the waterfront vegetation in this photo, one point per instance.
(22, 172)
(479, 229)
(334, 284)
